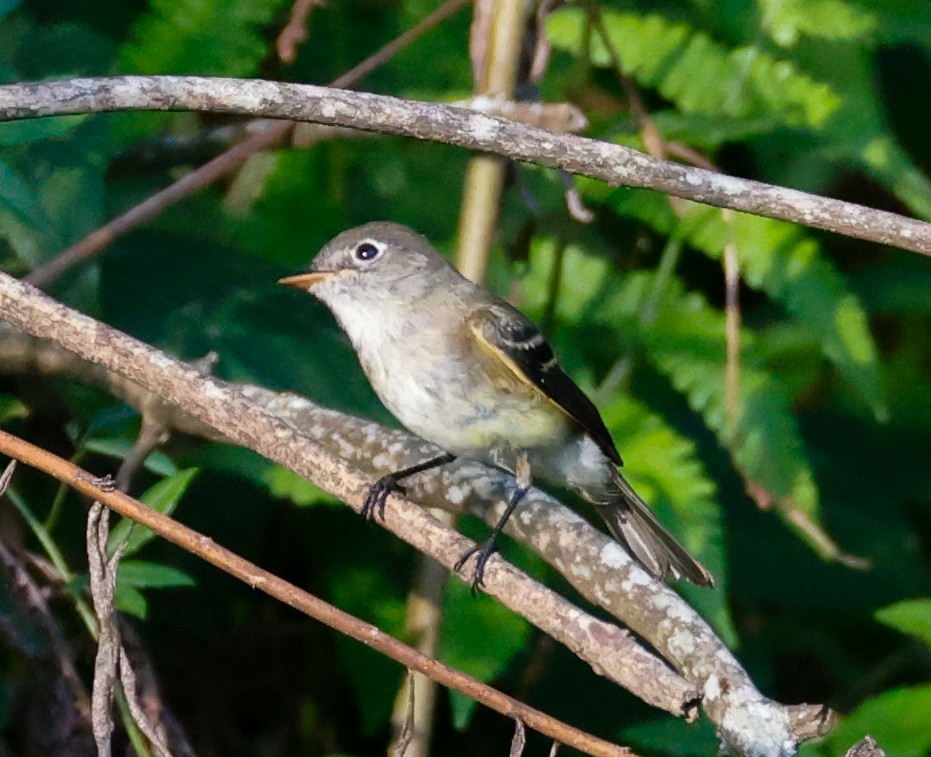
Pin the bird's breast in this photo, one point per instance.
(446, 393)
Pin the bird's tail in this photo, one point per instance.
(633, 524)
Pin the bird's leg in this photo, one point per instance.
(375, 499)
(487, 548)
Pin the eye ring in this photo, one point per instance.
(366, 251)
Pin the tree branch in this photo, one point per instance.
(594, 564)
(230, 411)
(276, 587)
(611, 163)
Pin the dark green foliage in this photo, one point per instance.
(831, 429)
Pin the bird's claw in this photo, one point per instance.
(378, 495)
(483, 552)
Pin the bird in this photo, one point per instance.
(463, 369)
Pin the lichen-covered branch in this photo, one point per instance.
(230, 411)
(268, 422)
(614, 164)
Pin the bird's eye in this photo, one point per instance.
(367, 251)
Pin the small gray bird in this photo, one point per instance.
(461, 368)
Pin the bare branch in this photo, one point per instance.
(614, 164)
(102, 587)
(594, 564)
(294, 33)
(130, 688)
(289, 594)
(7, 475)
(519, 741)
(406, 733)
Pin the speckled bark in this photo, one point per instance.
(331, 448)
(611, 163)
(227, 409)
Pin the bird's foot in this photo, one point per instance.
(483, 552)
(378, 494)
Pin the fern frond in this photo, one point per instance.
(684, 340)
(786, 21)
(782, 260)
(698, 74)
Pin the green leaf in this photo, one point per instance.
(12, 408)
(200, 37)
(134, 575)
(684, 338)
(286, 484)
(130, 600)
(782, 260)
(17, 196)
(151, 575)
(685, 341)
(26, 132)
(911, 616)
(157, 461)
(697, 74)
(788, 20)
(480, 637)
(897, 719)
(162, 497)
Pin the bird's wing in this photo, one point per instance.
(517, 343)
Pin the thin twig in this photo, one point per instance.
(7, 475)
(314, 607)
(140, 717)
(519, 740)
(224, 163)
(294, 33)
(408, 729)
(423, 621)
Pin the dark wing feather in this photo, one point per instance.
(520, 345)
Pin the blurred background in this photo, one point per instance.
(779, 416)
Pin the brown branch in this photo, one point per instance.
(595, 565)
(614, 164)
(590, 561)
(260, 579)
(229, 410)
(294, 33)
(267, 134)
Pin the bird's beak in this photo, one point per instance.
(306, 280)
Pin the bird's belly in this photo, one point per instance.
(470, 419)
